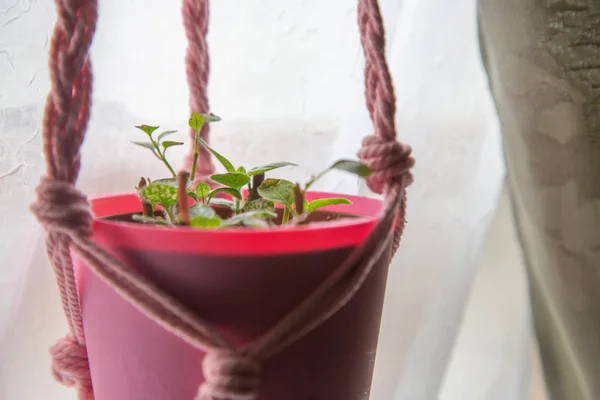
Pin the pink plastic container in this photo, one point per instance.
(242, 281)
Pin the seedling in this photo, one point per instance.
(159, 146)
(177, 201)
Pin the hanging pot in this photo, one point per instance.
(241, 281)
(290, 313)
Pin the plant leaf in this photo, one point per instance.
(205, 222)
(203, 210)
(193, 195)
(159, 193)
(278, 190)
(147, 145)
(260, 204)
(164, 135)
(202, 190)
(241, 170)
(222, 202)
(352, 166)
(149, 220)
(250, 222)
(210, 117)
(149, 130)
(203, 216)
(251, 218)
(171, 182)
(167, 181)
(225, 162)
(230, 191)
(315, 204)
(167, 143)
(196, 121)
(234, 180)
(270, 167)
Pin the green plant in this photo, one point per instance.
(159, 146)
(167, 201)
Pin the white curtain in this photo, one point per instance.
(287, 79)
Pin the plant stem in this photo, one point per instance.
(316, 178)
(298, 199)
(257, 180)
(182, 200)
(286, 216)
(168, 215)
(161, 157)
(171, 170)
(147, 207)
(195, 159)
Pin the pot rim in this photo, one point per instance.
(314, 237)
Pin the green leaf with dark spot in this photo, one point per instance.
(270, 167)
(164, 135)
(260, 204)
(234, 180)
(225, 162)
(278, 190)
(230, 191)
(315, 204)
(352, 166)
(149, 130)
(196, 121)
(202, 190)
(159, 193)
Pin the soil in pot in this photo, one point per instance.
(226, 212)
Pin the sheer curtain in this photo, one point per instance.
(287, 79)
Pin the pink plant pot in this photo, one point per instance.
(242, 281)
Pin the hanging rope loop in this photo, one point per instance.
(61, 208)
(389, 160)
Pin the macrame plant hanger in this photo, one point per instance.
(230, 373)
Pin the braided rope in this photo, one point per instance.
(195, 20)
(229, 373)
(66, 116)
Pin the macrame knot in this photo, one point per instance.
(229, 376)
(60, 207)
(70, 365)
(389, 160)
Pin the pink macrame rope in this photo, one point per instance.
(230, 373)
(195, 20)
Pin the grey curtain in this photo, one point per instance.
(543, 63)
